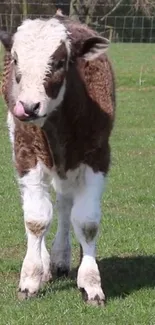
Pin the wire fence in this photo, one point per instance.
(121, 24)
(128, 28)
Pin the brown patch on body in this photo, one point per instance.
(98, 77)
(30, 147)
(90, 231)
(37, 228)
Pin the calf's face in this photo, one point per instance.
(41, 50)
(40, 54)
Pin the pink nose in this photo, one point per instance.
(19, 110)
(24, 110)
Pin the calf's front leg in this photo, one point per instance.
(38, 212)
(85, 217)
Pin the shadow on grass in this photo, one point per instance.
(120, 276)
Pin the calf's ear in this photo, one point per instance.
(93, 47)
(6, 39)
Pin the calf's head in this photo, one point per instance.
(41, 51)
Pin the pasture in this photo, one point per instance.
(126, 243)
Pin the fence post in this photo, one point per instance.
(25, 9)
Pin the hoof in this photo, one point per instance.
(62, 272)
(96, 301)
(25, 294)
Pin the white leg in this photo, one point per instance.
(37, 216)
(85, 217)
(61, 248)
(45, 256)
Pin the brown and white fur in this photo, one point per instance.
(59, 88)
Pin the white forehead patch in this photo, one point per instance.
(35, 41)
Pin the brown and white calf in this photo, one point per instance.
(59, 88)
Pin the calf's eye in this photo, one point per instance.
(18, 77)
(57, 65)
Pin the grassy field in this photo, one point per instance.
(126, 244)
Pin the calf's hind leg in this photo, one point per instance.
(61, 248)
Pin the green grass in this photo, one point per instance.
(126, 244)
(134, 62)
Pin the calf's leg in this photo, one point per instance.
(85, 217)
(38, 212)
(61, 248)
(45, 257)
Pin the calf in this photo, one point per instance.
(59, 88)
